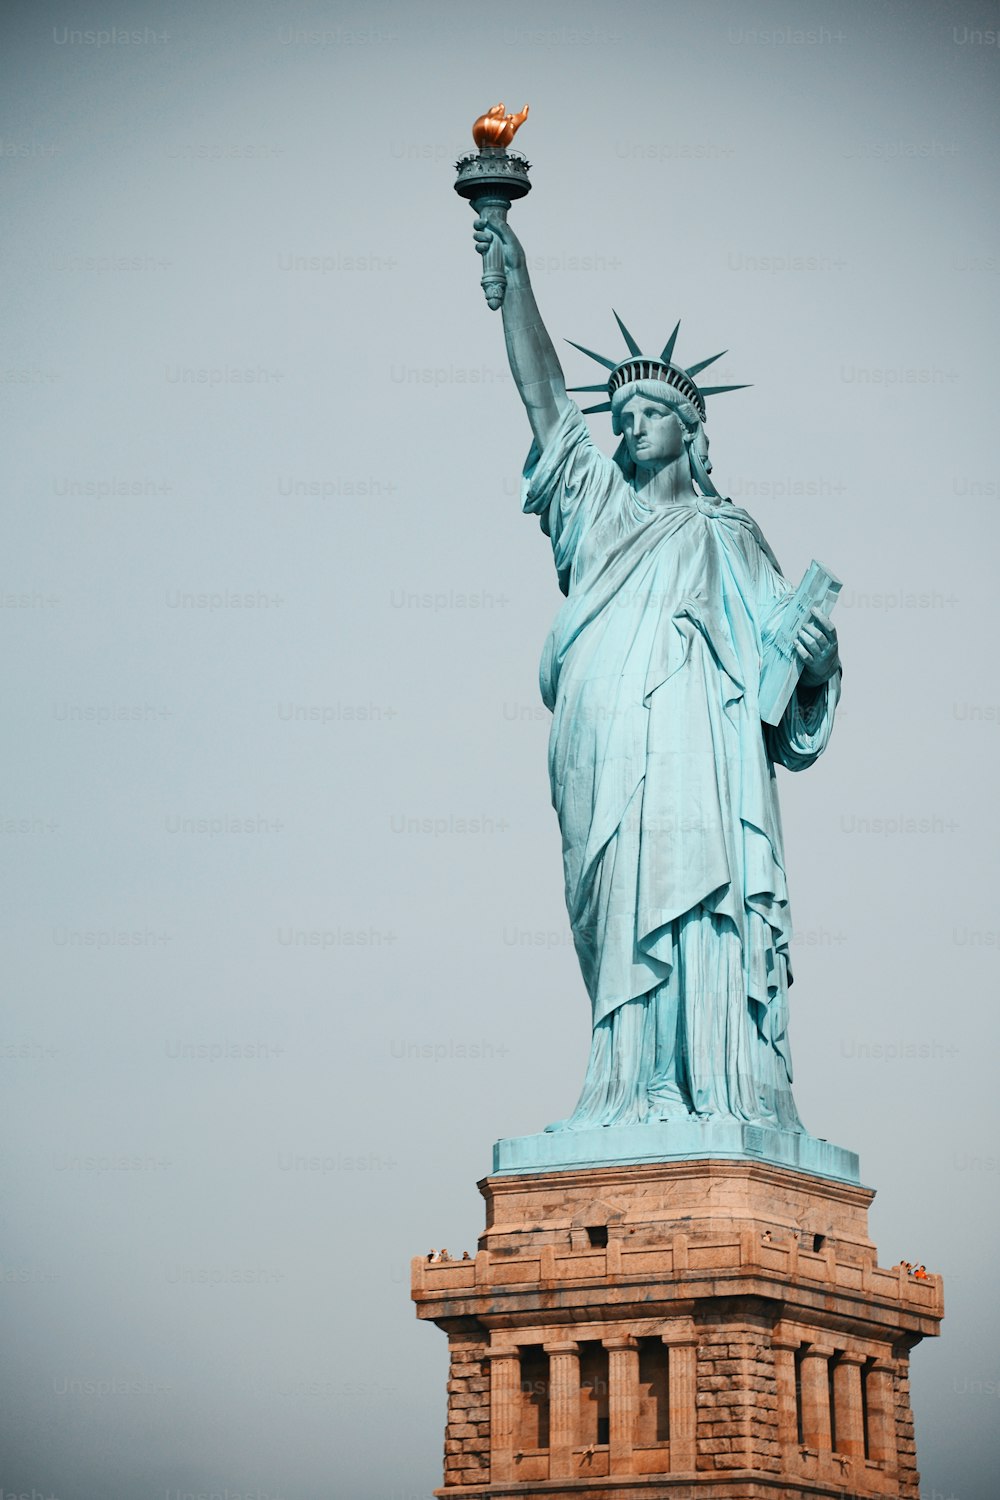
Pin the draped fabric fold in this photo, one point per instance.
(663, 780)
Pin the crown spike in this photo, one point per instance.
(703, 364)
(604, 406)
(668, 348)
(602, 386)
(609, 364)
(633, 347)
(717, 390)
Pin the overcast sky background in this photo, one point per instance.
(267, 188)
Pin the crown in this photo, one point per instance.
(647, 367)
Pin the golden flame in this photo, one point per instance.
(495, 128)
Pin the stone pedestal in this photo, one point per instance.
(712, 1329)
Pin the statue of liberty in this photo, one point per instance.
(662, 769)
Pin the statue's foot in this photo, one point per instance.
(666, 1102)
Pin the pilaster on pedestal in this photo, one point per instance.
(714, 1329)
(623, 1401)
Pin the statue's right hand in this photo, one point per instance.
(484, 231)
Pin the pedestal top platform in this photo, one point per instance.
(682, 1140)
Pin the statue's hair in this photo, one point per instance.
(657, 390)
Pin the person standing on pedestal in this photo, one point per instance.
(662, 772)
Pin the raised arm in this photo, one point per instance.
(533, 361)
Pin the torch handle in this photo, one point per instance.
(494, 278)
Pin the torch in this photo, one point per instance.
(491, 178)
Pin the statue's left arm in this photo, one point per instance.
(807, 723)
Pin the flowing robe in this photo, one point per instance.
(663, 780)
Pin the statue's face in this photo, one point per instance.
(653, 432)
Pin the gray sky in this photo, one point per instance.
(248, 359)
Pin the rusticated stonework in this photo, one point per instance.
(467, 1435)
(685, 1329)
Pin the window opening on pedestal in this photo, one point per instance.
(831, 1366)
(866, 1370)
(799, 1431)
(533, 1424)
(654, 1393)
(595, 1411)
(597, 1234)
(819, 1240)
